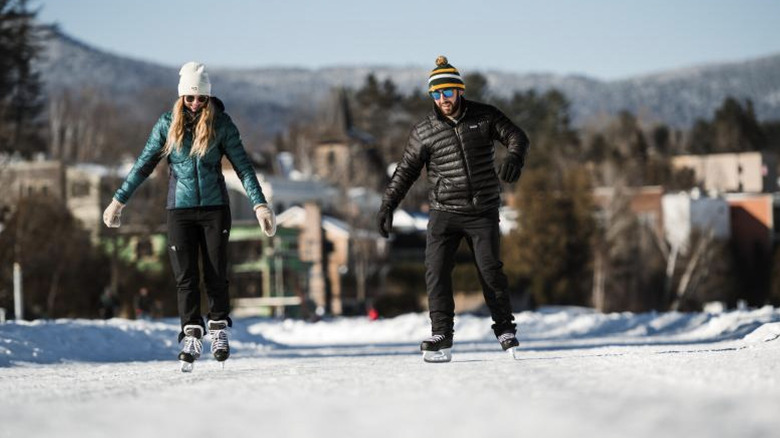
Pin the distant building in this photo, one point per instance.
(84, 188)
(324, 243)
(281, 193)
(344, 155)
(27, 178)
(645, 202)
(746, 172)
(261, 267)
(684, 214)
(267, 276)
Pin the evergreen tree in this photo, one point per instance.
(552, 247)
(20, 103)
(702, 138)
(736, 128)
(546, 119)
(772, 131)
(476, 87)
(662, 140)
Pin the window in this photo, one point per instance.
(79, 189)
(143, 248)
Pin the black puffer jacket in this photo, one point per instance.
(460, 158)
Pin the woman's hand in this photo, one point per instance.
(112, 216)
(266, 218)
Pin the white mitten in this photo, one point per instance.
(267, 219)
(112, 216)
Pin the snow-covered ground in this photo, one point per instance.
(581, 374)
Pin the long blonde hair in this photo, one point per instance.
(204, 131)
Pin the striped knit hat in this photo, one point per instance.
(444, 76)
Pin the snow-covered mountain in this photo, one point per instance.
(677, 97)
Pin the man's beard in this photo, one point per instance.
(450, 109)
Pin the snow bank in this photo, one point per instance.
(119, 340)
(767, 334)
(114, 340)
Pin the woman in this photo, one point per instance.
(194, 137)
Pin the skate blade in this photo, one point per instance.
(514, 353)
(186, 367)
(443, 355)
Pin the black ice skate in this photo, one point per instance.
(192, 347)
(219, 341)
(437, 348)
(510, 343)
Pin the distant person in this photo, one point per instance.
(454, 142)
(193, 138)
(143, 304)
(109, 303)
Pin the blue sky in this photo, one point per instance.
(606, 39)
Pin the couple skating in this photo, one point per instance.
(454, 142)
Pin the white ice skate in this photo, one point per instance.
(220, 348)
(192, 347)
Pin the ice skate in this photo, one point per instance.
(219, 341)
(510, 343)
(192, 347)
(437, 348)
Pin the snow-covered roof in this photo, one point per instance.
(295, 217)
(279, 190)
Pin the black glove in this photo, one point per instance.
(384, 220)
(511, 168)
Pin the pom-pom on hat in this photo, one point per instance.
(444, 76)
(193, 79)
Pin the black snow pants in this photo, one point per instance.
(194, 232)
(445, 231)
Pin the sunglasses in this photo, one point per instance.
(201, 99)
(436, 95)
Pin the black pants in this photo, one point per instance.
(445, 231)
(194, 232)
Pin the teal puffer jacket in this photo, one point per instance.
(195, 182)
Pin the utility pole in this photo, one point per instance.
(279, 274)
(18, 296)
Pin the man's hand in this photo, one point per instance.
(112, 216)
(266, 218)
(511, 168)
(384, 220)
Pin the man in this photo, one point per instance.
(455, 143)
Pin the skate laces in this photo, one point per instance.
(219, 339)
(436, 338)
(506, 337)
(192, 345)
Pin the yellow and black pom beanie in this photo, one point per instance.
(444, 76)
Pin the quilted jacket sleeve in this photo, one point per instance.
(147, 161)
(510, 135)
(407, 172)
(236, 154)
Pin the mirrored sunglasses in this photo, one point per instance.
(436, 95)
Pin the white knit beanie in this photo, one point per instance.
(193, 79)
